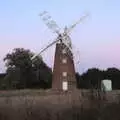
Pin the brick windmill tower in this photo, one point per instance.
(63, 70)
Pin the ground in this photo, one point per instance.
(21, 103)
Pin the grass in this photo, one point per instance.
(49, 105)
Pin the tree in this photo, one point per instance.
(78, 79)
(2, 76)
(91, 79)
(19, 67)
(114, 75)
(43, 74)
(23, 73)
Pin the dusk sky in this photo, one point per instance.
(97, 37)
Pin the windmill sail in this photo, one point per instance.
(44, 49)
(77, 22)
(51, 24)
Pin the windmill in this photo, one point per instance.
(63, 70)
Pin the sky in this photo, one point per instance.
(97, 37)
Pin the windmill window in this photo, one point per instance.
(63, 51)
(64, 74)
(64, 60)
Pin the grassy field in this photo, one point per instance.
(50, 105)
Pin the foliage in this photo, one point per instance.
(114, 75)
(2, 76)
(93, 77)
(22, 72)
(43, 74)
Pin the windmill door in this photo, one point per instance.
(65, 85)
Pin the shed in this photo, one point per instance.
(106, 85)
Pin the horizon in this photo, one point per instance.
(97, 37)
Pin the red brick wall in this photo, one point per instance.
(60, 67)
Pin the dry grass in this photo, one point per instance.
(49, 105)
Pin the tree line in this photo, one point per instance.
(93, 77)
(23, 73)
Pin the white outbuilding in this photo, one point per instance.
(106, 85)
